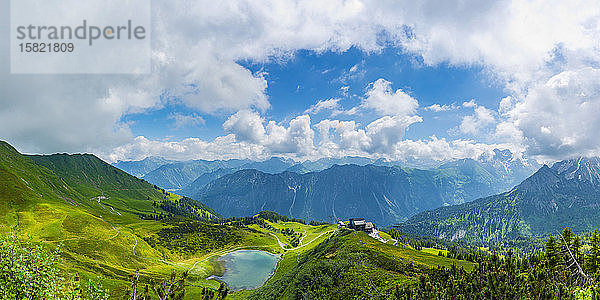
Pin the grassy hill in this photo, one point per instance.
(96, 213)
(352, 265)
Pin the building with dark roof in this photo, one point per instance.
(357, 224)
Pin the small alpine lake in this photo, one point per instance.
(247, 269)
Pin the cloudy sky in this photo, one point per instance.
(309, 79)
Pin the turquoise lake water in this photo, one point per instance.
(247, 269)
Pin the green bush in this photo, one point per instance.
(30, 271)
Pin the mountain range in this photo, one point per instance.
(564, 195)
(139, 168)
(188, 177)
(175, 175)
(383, 194)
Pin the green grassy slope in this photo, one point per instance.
(352, 265)
(91, 177)
(90, 208)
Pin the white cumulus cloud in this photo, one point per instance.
(248, 126)
(182, 120)
(481, 118)
(385, 101)
(559, 118)
(545, 53)
(331, 104)
(444, 107)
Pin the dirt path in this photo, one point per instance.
(305, 235)
(136, 242)
(111, 225)
(311, 240)
(282, 245)
(116, 234)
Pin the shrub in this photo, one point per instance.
(30, 271)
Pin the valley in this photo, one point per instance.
(384, 194)
(109, 225)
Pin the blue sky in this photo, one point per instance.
(401, 80)
(296, 83)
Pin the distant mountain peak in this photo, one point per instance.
(504, 154)
(506, 157)
(544, 177)
(585, 169)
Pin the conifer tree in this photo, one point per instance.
(552, 252)
(593, 261)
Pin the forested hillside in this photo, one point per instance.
(350, 265)
(565, 195)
